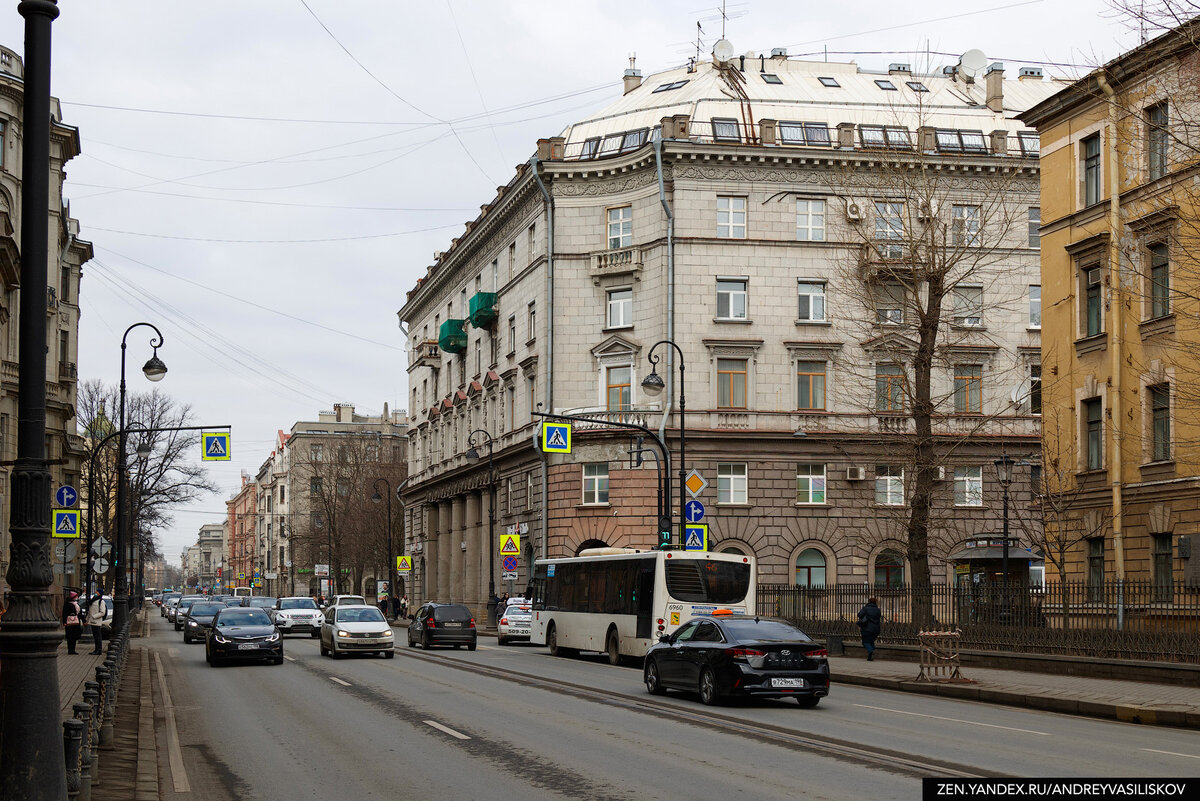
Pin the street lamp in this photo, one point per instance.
(154, 370)
(376, 498)
(473, 457)
(653, 385)
(1004, 474)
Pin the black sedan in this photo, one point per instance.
(739, 655)
(199, 620)
(239, 633)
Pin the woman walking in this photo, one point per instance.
(869, 619)
(72, 622)
(97, 610)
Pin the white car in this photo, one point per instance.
(351, 600)
(296, 615)
(346, 629)
(515, 621)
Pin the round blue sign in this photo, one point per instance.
(66, 496)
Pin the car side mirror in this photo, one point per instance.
(663, 637)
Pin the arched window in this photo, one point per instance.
(583, 546)
(889, 569)
(732, 549)
(810, 568)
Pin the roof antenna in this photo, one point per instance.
(699, 34)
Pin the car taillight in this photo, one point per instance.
(820, 653)
(472, 622)
(741, 654)
(503, 621)
(430, 623)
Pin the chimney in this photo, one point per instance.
(766, 131)
(543, 149)
(1030, 74)
(902, 69)
(999, 139)
(995, 87)
(845, 136)
(927, 139)
(675, 127)
(633, 76)
(779, 53)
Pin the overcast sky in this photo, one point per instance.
(264, 181)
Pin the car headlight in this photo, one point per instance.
(273, 637)
(387, 633)
(343, 634)
(219, 638)
(193, 623)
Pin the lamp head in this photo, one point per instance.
(144, 449)
(1004, 466)
(472, 455)
(376, 498)
(653, 384)
(154, 369)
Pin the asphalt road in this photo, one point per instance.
(516, 723)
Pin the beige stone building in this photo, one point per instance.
(742, 210)
(65, 448)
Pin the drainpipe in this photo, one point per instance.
(548, 199)
(1116, 328)
(670, 371)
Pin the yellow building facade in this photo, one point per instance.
(1120, 195)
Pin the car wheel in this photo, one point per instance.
(324, 650)
(207, 656)
(389, 654)
(316, 635)
(472, 646)
(277, 660)
(334, 652)
(708, 688)
(186, 639)
(425, 644)
(650, 676)
(808, 702)
(612, 647)
(501, 641)
(410, 642)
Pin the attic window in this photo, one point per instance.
(611, 144)
(825, 81)
(951, 141)
(1031, 143)
(667, 87)
(590, 146)
(814, 134)
(770, 77)
(634, 139)
(885, 85)
(916, 86)
(725, 129)
(889, 136)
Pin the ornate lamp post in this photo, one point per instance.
(473, 457)
(377, 498)
(653, 385)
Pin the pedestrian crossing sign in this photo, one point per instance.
(66, 524)
(556, 437)
(214, 446)
(510, 545)
(404, 564)
(695, 537)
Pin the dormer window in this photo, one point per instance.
(770, 77)
(950, 141)
(590, 146)
(1031, 143)
(814, 134)
(886, 85)
(634, 139)
(916, 86)
(611, 144)
(725, 129)
(888, 136)
(830, 82)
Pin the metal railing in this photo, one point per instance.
(1123, 620)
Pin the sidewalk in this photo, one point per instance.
(1130, 701)
(74, 670)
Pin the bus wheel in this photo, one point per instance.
(613, 647)
(552, 641)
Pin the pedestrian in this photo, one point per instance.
(97, 610)
(869, 619)
(404, 606)
(72, 622)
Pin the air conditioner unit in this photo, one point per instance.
(853, 211)
(856, 473)
(927, 211)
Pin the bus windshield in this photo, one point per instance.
(695, 581)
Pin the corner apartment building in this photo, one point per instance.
(65, 448)
(242, 521)
(1120, 335)
(742, 210)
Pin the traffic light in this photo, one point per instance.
(665, 534)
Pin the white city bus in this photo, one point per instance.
(618, 600)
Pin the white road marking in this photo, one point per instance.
(174, 753)
(172, 652)
(954, 720)
(1171, 753)
(446, 729)
(289, 658)
(339, 681)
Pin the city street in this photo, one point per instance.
(515, 723)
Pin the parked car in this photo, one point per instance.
(442, 624)
(199, 620)
(514, 623)
(297, 614)
(167, 600)
(347, 629)
(239, 633)
(739, 655)
(353, 600)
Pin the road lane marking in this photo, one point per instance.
(446, 729)
(173, 652)
(339, 681)
(1171, 753)
(289, 658)
(174, 753)
(954, 720)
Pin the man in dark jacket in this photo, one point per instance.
(869, 619)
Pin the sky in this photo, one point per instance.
(265, 181)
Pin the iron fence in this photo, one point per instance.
(1122, 620)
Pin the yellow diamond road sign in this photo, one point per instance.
(695, 483)
(510, 545)
(404, 564)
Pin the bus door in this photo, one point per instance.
(645, 597)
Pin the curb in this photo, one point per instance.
(1145, 715)
(146, 778)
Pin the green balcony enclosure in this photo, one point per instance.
(483, 309)
(451, 337)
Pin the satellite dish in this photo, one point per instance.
(723, 51)
(1021, 392)
(972, 63)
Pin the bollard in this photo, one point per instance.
(107, 708)
(72, 745)
(111, 688)
(91, 694)
(83, 713)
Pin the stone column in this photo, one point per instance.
(429, 581)
(458, 508)
(471, 535)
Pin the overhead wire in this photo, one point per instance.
(475, 80)
(309, 241)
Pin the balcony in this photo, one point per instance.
(451, 336)
(619, 262)
(483, 309)
(598, 418)
(67, 371)
(51, 299)
(427, 354)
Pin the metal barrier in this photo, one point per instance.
(939, 656)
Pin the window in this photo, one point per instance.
(1092, 306)
(372, 456)
(968, 306)
(889, 228)
(889, 303)
(1035, 223)
(810, 220)
(314, 485)
(512, 334)
(889, 388)
(731, 383)
(620, 308)
(886, 86)
(617, 388)
(316, 453)
(830, 82)
(1094, 433)
(1091, 170)
(1161, 554)
(317, 520)
(952, 141)
(889, 569)
(810, 483)
(770, 77)
(811, 302)
(590, 148)
(531, 239)
(810, 568)
(725, 129)
(813, 134)
(731, 483)
(1030, 142)
(634, 139)
(1160, 421)
(620, 227)
(731, 299)
(966, 226)
(916, 86)
(1035, 389)
(1095, 566)
(667, 87)
(968, 486)
(890, 136)
(968, 389)
(530, 490)
(889, 485)
(731, 217)
(1035, 306)
(1160, 281)
(531, 319)
(611, 144)
(810, 385)
(595, 484)
(64, 284)
(1035, 480)
(343, 487)
(1157, 141)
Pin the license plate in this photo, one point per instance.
(518, 630)
(789, 683)
(249, 646)
(453, 625)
